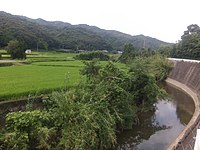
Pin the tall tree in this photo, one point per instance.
(128, 54)
(189, 46)
(16, 49)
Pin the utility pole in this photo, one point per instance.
(144, 43)
(37, 46)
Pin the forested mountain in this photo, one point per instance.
(61, 35)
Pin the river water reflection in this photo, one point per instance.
(158, 129)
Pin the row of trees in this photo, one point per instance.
(93, 55)
(187, 47)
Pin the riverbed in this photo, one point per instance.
(157, 129)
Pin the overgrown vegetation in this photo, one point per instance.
(88, 116)
(93, 55)
(130, 53)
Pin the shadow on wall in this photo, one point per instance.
(187, 73)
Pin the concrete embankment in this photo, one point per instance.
(186, 76)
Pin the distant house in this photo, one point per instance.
(105, 51)
(28, 51)
(119, 52)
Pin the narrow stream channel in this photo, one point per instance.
(159, 128)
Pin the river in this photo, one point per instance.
(158, 129)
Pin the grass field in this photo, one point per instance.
(44, 73)
(20, 80)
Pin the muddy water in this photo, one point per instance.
(159, 128)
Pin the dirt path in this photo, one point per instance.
(7, 61)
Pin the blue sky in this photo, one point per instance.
(162, 19)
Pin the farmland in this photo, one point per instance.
(107, 100)
(41, 72)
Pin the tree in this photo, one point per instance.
(189, 46)
(16, 49)
(128, 54)
(91, 69)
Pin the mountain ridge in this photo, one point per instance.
(63, 35)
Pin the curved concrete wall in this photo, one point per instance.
(186, 76)
(187, 73)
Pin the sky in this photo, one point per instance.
(162, 19)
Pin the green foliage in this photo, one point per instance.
(48, 71)
(143, 87)
(93, 55)
(130, 53)
(88, 115)
(74, 112)
(59, 35)
(14, 141)
(146, 72)
(189, 46)
(157, 66)
(16, 49)
(25, 129)
(154, 64)
(75, 122)
(91, 69)
(166, 50)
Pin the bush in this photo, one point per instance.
(93, 55)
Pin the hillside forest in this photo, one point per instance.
(51, 35)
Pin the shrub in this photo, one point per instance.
(93, 55)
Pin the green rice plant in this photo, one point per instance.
(23, 80)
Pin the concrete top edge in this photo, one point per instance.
(186, 60)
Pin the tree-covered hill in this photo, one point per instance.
(61, 35)
(118, 39)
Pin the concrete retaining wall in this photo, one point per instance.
(188, 73)
(186, 76)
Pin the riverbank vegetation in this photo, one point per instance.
(87, 116)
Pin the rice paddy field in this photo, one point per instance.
(40, 73)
